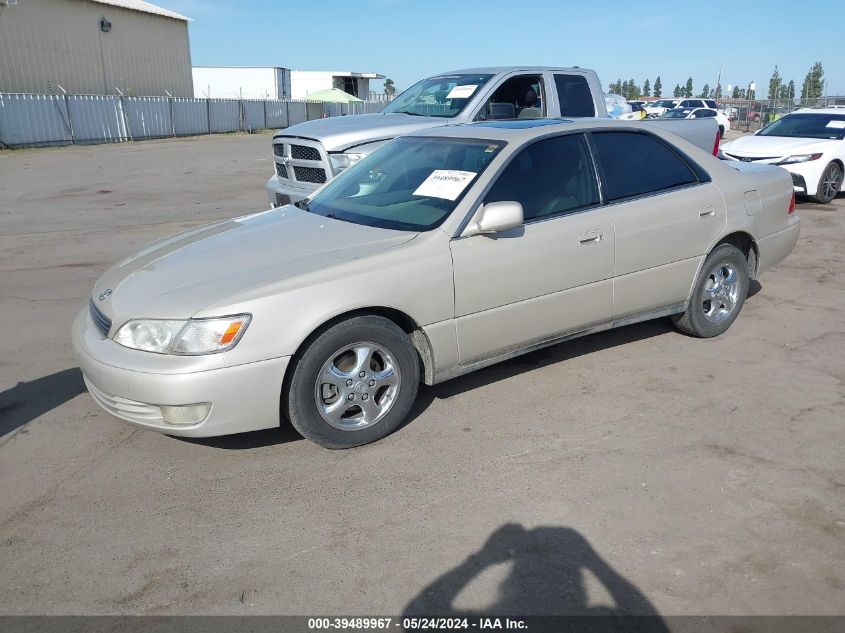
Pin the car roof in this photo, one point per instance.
(522, 130)
(818, 111)
(495, 70)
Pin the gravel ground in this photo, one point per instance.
(638, 468)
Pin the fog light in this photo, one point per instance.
(181, 414)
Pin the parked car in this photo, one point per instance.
(808, 143)
(722, 121)
(637, 111)
(436, 255)
(309, 154)
(657, 108)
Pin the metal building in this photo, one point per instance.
(94, 47)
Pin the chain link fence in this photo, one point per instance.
(40, 120)
(749, 115)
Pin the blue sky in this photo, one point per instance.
(408, 40)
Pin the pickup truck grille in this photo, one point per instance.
(101, 321)
(301, 161)
(310, 174)
(303, 152)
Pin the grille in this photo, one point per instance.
(281, 170)
(102, 322)
(747, 159)
(303, 152)
(278, 149)
(309, 174)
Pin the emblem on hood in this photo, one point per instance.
(105, 294)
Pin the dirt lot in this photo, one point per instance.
(638, 467)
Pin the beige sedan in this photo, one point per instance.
(434, 256)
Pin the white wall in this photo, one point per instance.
(304, 82)
(236, 82)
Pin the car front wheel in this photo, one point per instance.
(829, 184)
(718, 295)
(354, 383)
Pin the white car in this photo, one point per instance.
(722, 120)
(656, 108)
(809, 143)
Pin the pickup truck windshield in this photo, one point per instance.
(443, 96)
(410, 184)
(825, 126)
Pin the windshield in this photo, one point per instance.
(663, 104)
(678, 113)
(410, 184)
(825, 126)
(443, 96)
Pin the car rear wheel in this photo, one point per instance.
(354, 383)
(718, 295)
(721, 131)
(829, 184)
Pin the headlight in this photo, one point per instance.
(185, 338)
(799, 158)
(342, 161)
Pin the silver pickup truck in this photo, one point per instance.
(310, 154)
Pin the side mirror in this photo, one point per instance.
(496, 217)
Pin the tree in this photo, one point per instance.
(678, 91)
(790, 90)
(735, 93)
(775, 84)
(688, 88)
(633, 91)
(646, 88)
(717, 93)
(705, 92)
(658, 87)
(813, 82)
(625, 89)
(389, 88)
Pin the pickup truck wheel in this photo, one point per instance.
(829, 184)
(718, 294)
(354, 383)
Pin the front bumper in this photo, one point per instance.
(805, 176)
(281, 192)
(243, 397)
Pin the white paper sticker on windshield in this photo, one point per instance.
(839, 125)
(462, 92)
(445, 183)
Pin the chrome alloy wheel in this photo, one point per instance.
(357, 386)
(720, 292)
(830, 182)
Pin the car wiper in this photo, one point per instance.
(302, 204)
(409, 112)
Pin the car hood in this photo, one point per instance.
(340, 133)
(776, 146)
(178, 276)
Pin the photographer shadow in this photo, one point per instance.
(547, 578)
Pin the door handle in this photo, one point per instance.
(589, 238)
(706, 212)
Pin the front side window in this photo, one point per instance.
(519, 97)
(574, 96)
(636, 164)
(409, 184)
(443, 96)
(549, 177)
(808, 125)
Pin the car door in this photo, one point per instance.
(548, 277)
(665, 212)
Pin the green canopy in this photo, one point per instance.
(333, 95)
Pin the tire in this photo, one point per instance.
(829, 184)
(718, 294)
(721, 131)
(353, 384)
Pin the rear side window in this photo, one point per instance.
(549, 177)
(637, 164)
(710, 103)
(705, 114)
(573, 93)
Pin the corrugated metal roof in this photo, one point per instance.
(146, 7)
